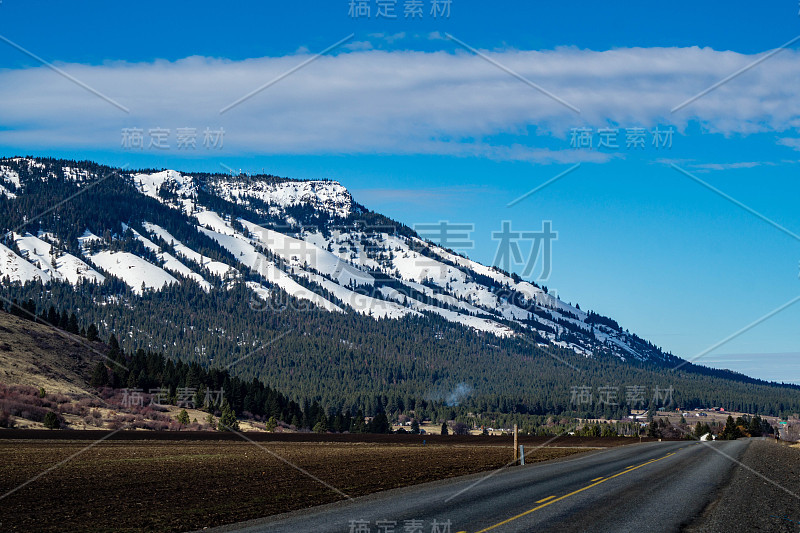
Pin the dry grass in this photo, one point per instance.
(36, 355)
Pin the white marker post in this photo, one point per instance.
(522, 455)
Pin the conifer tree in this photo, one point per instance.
(380, 424)
(72, 324)
(731, 430)
(51, 420)
(99, 375)
(227, 420)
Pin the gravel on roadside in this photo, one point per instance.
(763, 493)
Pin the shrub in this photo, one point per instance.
(51, 420)
(460, 428)
(58, 398)
(6, 420)
(156, 425)
(71, 409)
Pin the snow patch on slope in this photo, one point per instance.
(346, 245)
(479, 324)
(87, 238)
(171, 263)
(359, 302)
(76, 174)
(211, 220)
(11, 180)
(216, 267)
(530, 291)
(18, 269)
(328, 196)
(10, 176)
(5, 192)
(183, 187)
(246, 253)
(305, 254)
(133, 270)
(61, 266)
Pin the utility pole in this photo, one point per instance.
(516, 449)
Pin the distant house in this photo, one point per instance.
(707, 436)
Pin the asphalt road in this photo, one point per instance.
(658, 486)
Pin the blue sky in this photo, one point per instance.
(422, 129)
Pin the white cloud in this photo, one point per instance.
(403, 102)
(358, 45)
(389, 38)
(728, 166)
(692, 165)
(791, 142)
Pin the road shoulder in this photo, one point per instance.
(762, 494)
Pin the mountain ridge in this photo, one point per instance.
(524, 304)
(300, 252)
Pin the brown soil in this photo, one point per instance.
(474, 440)
(178, 486)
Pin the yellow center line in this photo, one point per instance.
(529, 511)
(595, 479)
(545, 499)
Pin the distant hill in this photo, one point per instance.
(295, 284)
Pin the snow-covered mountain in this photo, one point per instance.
(309, 239)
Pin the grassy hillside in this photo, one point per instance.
(41, 356)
